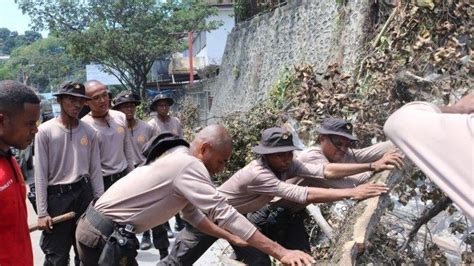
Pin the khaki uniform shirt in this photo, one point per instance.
(140, 134)
(152, 194)
(114, 143)
(61, 160)
(314, 155)
(256, 185)
(173, 125)
(441, 145)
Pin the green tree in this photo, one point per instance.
(124, 36)
(5, 72)
(10, 40)
(44, 64)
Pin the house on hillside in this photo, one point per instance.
(208, 49)
(170, 75)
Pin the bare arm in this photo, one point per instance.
(321, 195)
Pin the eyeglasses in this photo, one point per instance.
(341, 144)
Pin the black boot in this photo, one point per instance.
(146, 241)
(163, 253)
(179, 225)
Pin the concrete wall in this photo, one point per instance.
(216, 39)
(305, 31)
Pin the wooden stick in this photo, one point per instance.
(315, 212)
(385, 26)
(57, 219)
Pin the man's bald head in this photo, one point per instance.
(213, 145)
(97, 91)
(216, 135)
(92, 85)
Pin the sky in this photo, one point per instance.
(12, 18)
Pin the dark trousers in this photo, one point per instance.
(283, 227)
(91, 242)
(189, 245)
(109, 180)
(160, 236)
(57, 244)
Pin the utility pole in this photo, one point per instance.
(190, 45)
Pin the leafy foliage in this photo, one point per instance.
(124, 36)
(246, 127)
(423, 55)
(189, 116)
(9, 40)
(45, 64)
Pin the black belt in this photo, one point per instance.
(64, 188)
(105, 225)
(117, 176)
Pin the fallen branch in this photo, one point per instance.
(385, 26)
(427, 215)
(361, 222)
(315, 212)
(57, 219)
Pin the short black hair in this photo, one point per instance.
(13, 96)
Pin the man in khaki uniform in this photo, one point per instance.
(335, 142)
(163, 122)
(259, 182)
(67, 172)
(179, 180)
(114, 142)
(440, 141)
(139, 131)
(282, 220)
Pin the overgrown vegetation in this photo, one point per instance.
(246, 9)
(189, 116)
(417, 51)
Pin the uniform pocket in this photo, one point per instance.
(87, 235)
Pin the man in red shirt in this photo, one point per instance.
(19, 113)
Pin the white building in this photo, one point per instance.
(208, 49)
(211, 45)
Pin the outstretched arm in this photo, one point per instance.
(365, 191)
(464, 106)
(340, 170)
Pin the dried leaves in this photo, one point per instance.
(316, 96)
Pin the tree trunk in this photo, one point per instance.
(361, 222)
